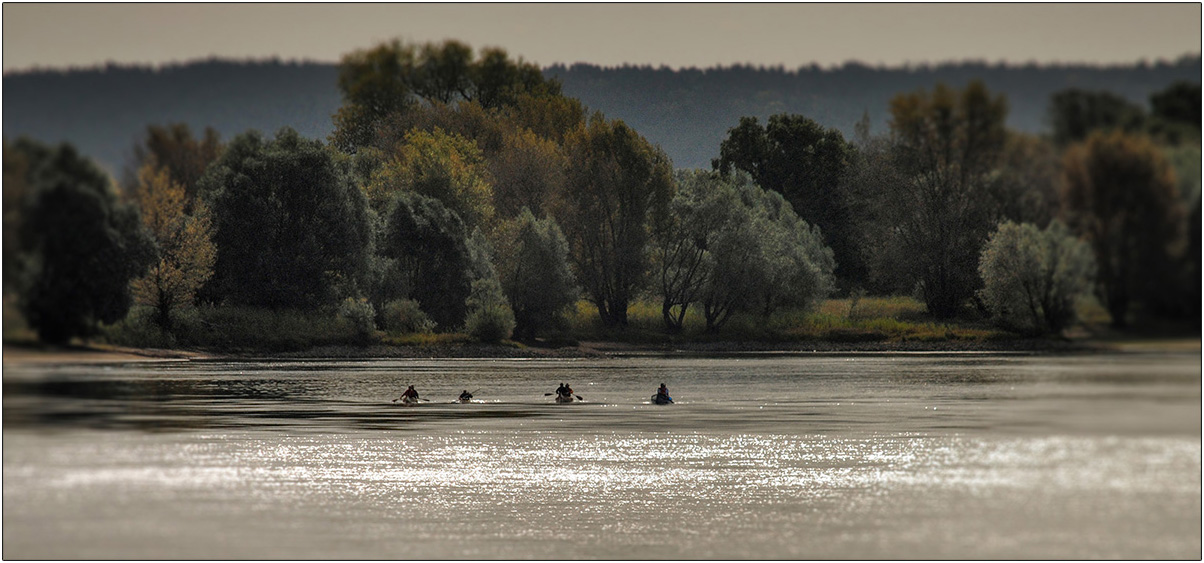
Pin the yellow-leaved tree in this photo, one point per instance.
(186, 250)
(439, 165)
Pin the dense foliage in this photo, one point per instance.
(1120, 196)
(618, 185)
(806, 163)
(732, 247)
(395, 78)
(77, 245)
(463, 192)
(945, 144)
(429, 247)
(533, 267)
(290, 228)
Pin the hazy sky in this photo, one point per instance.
(59, 35)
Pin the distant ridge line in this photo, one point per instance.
(1186, 58)
(104, 110)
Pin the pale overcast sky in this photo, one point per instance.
(676, 35)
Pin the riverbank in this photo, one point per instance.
(25, 353)
(16, 353)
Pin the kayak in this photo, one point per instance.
(462, 401)
(564, 398)
(409, 401)
(659, 399)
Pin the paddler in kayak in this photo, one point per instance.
(409, 396)
(465, 396)
(662, 395)
(564, 393)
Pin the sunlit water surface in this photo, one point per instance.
(865, 456)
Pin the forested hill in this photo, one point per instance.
(687, 112)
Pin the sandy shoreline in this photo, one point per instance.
(16, 355)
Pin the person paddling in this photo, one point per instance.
(409, 396)
(663, 391)
(662, 396)
(564, 393)
(465, 396)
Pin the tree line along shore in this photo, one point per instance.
(463, 203)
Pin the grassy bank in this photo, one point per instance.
(877, 319)
(872, 323)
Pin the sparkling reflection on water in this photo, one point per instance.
(979, 456)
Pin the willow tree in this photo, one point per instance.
(761, 258)
(1032, 277)
(703, 209)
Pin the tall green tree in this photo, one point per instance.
(291, 229)
(871, 180)
(82, 246)
(945, 145)
(737, 264)
(533, 267)
(375, 83)
(618, 186)
(1120, 195)
(806, 163)
(429, 249)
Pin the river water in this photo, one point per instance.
(865, 456)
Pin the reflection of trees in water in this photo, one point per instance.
(193, 404)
